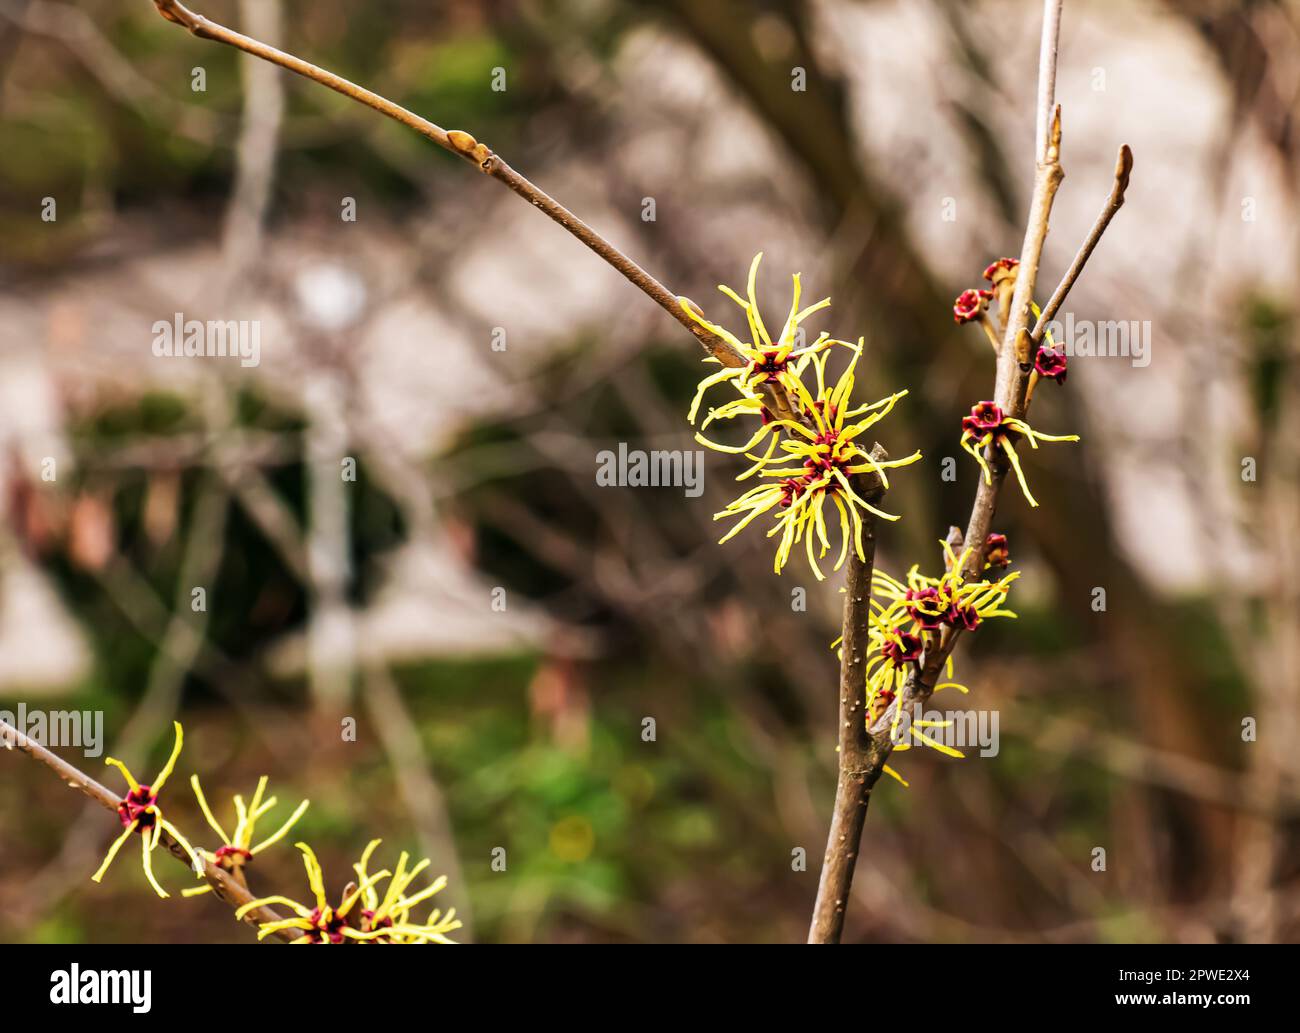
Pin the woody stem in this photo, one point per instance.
(464, 146)
(859, 761)
(862, 754)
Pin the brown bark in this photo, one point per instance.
(859, 764)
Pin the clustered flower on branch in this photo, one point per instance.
(362, 916)
(812, 462)
(375, 920)
(237, 852)
(988, 424)
(140, 815)
(907, 619)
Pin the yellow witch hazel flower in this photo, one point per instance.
(392, 912)
(769, 360)
(238, 850)
(140, 813)
(907, 618)
(929, 603)
(894, 654)
(828, 453)
(986, 424)
(361, 916)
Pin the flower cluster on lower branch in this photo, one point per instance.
(362, 916)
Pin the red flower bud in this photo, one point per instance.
(996, 552)
(1001, 269)
(970, 304)
(1050, 363)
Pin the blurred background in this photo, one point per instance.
(496, 625)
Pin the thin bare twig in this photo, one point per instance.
(1123, 167)
(465, 146)
(1047, 51)
(1013, 378)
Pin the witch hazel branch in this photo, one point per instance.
(910, 633)
(374, 907)
(819, 478)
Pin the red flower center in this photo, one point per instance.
(1050, 363)
(770, 366)
(232, 857)
(324, 931)
(983, 419)
(791, 489)
(969, 304)
(924, 607)
(903, 648)
(966, 617)
(369, 925)
(139, 805)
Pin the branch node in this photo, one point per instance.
(470, 149)
(1054, 140)
(1123, 168)
(176, 12)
